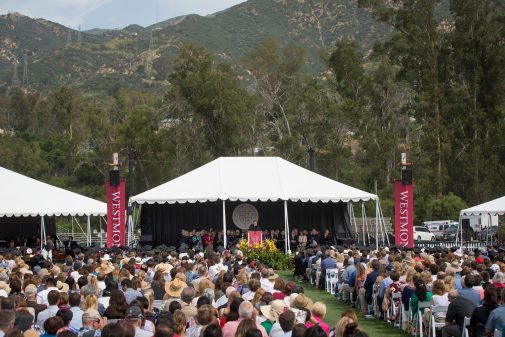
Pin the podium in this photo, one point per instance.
(255, 237)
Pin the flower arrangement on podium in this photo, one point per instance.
(267, 253)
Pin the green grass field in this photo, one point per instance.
(373, 327)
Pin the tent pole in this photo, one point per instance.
(352, 218)
(363, 223)
(101, 234)
(42, 232)
(286, 227)
(71, 218)
(377, 224)
(88, 230)
(225, 238)
(459, 233)
(381, 217)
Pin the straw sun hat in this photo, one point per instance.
(175, 287)
(273, 311)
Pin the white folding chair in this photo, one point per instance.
(393, 314)
(466, 324)
(417, 321)
(333, 281)
(497, 333)
(433, 323)
(328, 280)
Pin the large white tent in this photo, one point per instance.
(493, 207)
(23, 196)
(490, 208)
(252, 179)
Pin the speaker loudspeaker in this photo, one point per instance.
(407, 176)
(114, 177)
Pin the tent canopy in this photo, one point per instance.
(251, 179)
(24, 196)
(493, 207)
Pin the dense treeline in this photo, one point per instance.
(435, 90)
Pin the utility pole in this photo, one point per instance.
(25, 71)
(15, 79)
(79, 37)
(312, 159)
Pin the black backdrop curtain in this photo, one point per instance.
(163, 223)
(25, 226)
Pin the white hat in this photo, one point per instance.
(106, 257)
(75, 275)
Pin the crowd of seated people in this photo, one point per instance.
(391, 284)
(157, 292)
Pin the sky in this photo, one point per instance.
(112, 13)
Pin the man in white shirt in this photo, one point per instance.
(75, 301)
(265, 282)
(53, 298)
(50, 285)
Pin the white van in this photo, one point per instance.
(439, 227)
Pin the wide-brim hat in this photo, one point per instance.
(163, 267)
(301, 301)
(105, 268)
(62, 287)
(272, 275)
(175, 287)
(273, 311)
(456, 266)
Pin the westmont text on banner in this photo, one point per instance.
(116, 205)
(404, 215)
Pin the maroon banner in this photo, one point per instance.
(116, 205)
(404, 215)
(255, 237)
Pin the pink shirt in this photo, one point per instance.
(320, 322)
(230, 328)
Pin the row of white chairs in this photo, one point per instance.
(396, 314)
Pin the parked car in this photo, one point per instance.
(439, 227)
(450, 233)
(423, 234)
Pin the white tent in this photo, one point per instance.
(493, 207)
(252, 179)
(24, 196)
(490, 208)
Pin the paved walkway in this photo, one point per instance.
(373, 327)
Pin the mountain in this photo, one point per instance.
(141, 57)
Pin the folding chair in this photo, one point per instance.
(417, 318)
(333, 281)
(328, 279)
(393, 310)
(434, 324)
(466, 324)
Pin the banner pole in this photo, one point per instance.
(225, 238)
